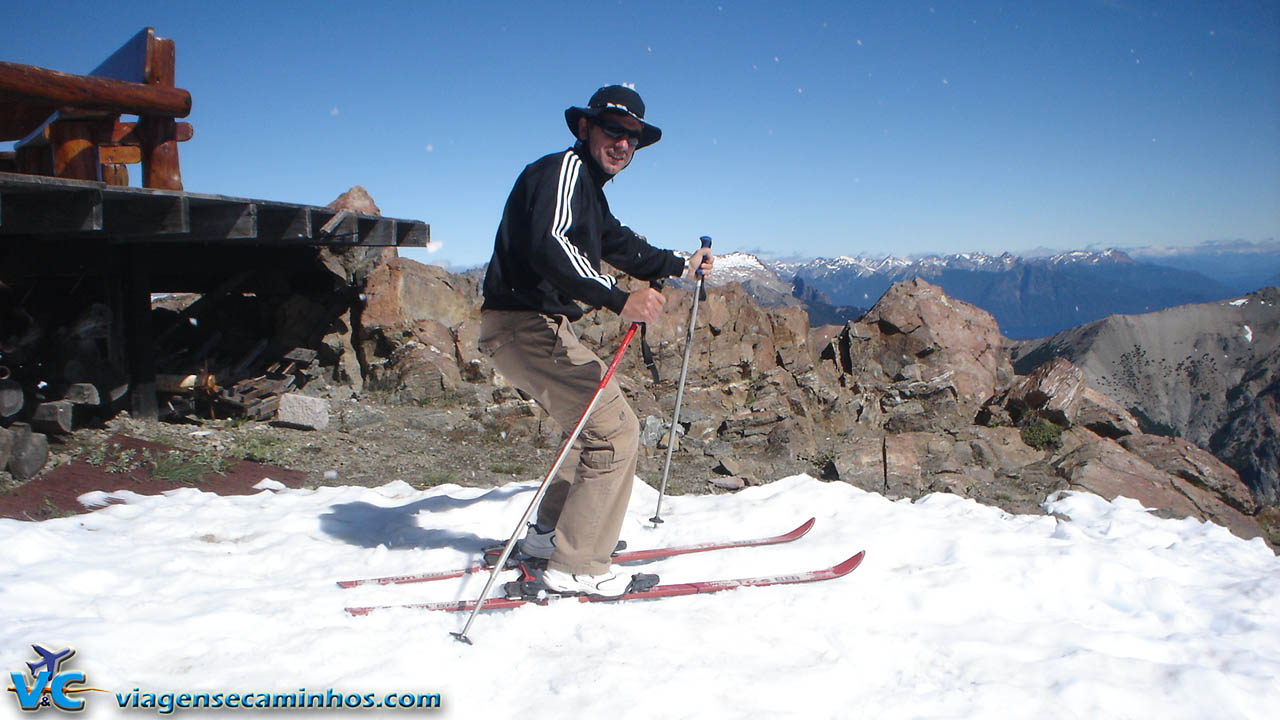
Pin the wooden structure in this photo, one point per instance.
(81, 248)
(68, 126)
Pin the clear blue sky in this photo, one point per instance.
(790, 128)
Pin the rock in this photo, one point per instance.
(1250, 439)
(652, 431)
(1002, 450)
(736, 466)
(408, 333)
(860, 462)
(356, 200)
(402, 293)
(728, 483)
(354, 263)
(1056, 391)
(1105, 468)
(6, 445)
(342, 353)
(1209, 373)
(1182, 459)
(302, 411)
(1104, 416)
(914, 322)
(1051, 391)
(788, 440)
(422, 368)
(29, 453)
(356, 415)
(790, 328)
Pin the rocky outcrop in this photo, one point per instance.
(1195, 465)
(1056, 391)
(1106, 468)
(915, 333)
(1209, 373)
(417, 331)
(886, 403)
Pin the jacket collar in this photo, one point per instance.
(598, 175)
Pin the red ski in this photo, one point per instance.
(622, 557)
(657, 591)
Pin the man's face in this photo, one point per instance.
(611, 139)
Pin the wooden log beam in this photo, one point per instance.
(116, 133)
(31, 85)
(18, 120)
(119, 154)
(126, 133)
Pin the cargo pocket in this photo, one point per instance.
(570, 349)
(611, 424)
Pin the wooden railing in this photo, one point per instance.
(69, 126)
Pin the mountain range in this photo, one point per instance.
(1030, 297)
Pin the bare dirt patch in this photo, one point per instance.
(368, 443)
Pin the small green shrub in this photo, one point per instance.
(178, 466)
(508, 469)
(1042, 435)
(432, 478)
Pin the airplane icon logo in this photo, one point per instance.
(50, 661)
(50, 685)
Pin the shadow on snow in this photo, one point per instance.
(368, 525)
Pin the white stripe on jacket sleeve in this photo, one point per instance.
(563, 219)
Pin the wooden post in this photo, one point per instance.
(75, 155)
(142, 353)
(159, 153)
(160, 138)
(130, 346)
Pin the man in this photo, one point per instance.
(555, 230)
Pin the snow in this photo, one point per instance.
(738, 261)
(1238, 303)
(1248, 334)
(960, 610)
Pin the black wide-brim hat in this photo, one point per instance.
(615, 98)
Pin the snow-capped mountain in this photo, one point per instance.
(1029, 297)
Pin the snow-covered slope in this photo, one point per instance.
(960, 610)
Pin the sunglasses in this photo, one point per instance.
(616, 131)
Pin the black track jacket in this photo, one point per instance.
(556, 228)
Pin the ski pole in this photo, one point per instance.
(684, 371)
(542, 489)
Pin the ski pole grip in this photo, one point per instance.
(706, 243)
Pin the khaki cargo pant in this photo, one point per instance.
(587, 500)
